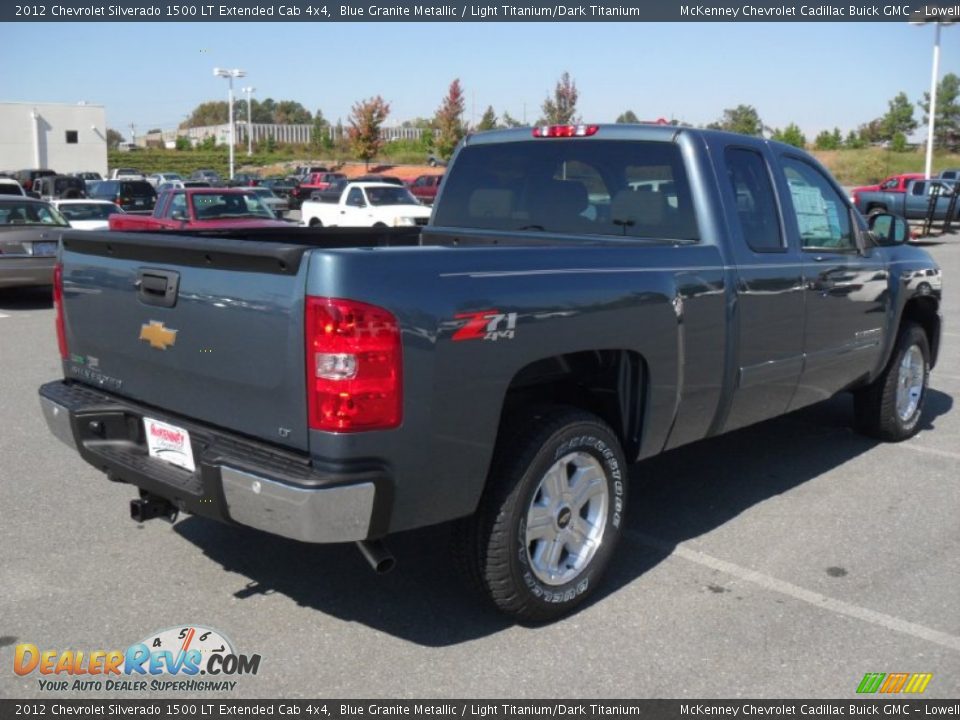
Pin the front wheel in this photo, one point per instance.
(315, 222)
(550, 517)
(890, 407)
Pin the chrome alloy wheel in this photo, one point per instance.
(566, 518)
(910, 383)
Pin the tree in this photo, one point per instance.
(213, 112)
(365, 119)
(871, 132)
(853, 141)
(899, 142)
(509, 122)
(449, 121)
(946, 134)
(899, 117)
(290, 112)
(561, 109)
(742, 119)
(114, 138)
(320, 132)
(183, 143)
(791, 135)
(627, 117)
(488, 121)
(827, 140)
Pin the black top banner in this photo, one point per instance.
(490, 11)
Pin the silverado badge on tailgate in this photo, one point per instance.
(157, 335)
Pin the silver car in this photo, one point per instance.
(29, 234)
(278, 204)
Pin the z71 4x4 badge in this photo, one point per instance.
(486, 325)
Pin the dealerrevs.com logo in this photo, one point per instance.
(189, 658)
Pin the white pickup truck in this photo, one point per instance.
(367, 204)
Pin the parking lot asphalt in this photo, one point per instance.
(785, 560)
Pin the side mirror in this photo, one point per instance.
(889, 229)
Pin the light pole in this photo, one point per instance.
(230, 75)
(249, 91)
(935, 76)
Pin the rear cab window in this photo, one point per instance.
(579, 187)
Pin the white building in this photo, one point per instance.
(55, 136)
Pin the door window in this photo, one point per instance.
(821, 215)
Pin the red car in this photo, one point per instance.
(425, 187)
(315, 182)
(894, 183)
(202, 209)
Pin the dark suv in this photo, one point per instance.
(134, 196)
(210, 176)
(55, 187)
(26, 177)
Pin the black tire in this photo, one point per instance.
(875, 406)
(379, 225)
(315, 222)
(492, 547)
(876, 210)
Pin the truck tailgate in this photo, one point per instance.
(203, 327)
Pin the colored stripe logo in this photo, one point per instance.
(894, 683)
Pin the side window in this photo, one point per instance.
(822, 217)
(178, 206)
(919, 188)
(355, 197)
(756, 205)
(890, 184)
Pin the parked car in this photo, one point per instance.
(29, 233)
(126, 173)
(425, 187)
(207, 175)
(244, 180)
(278, 205)
(892, 184)
(332, 193)
(182, 184)
(912, 204)
(88, 176)
(282, 187)
(367, 204)
(87, 214)
(952, 174)
(134, 196)
(315, 182)
(9, 186)
(157, 179)
(203, 209)
(436, 161)
(26, 177)
(52, 187)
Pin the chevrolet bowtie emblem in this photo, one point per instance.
(157, 335)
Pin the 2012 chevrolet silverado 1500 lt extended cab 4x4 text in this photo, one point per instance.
(583, 297)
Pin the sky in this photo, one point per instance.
(818, 75)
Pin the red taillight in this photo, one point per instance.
(58, 306)
(354, 366)
(565, 131)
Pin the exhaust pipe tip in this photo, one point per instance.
(376, 554)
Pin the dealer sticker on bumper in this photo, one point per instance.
(169, 443)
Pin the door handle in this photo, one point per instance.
(819, 258)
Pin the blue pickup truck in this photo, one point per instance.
(584, 297)
(914, 203)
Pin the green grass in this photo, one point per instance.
(850, 167)
(861, 167)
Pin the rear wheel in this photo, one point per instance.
(876, 210)
(550, 517)
(315, 222)
(890, 407)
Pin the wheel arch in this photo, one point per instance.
(924, 311)
(609, 383)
